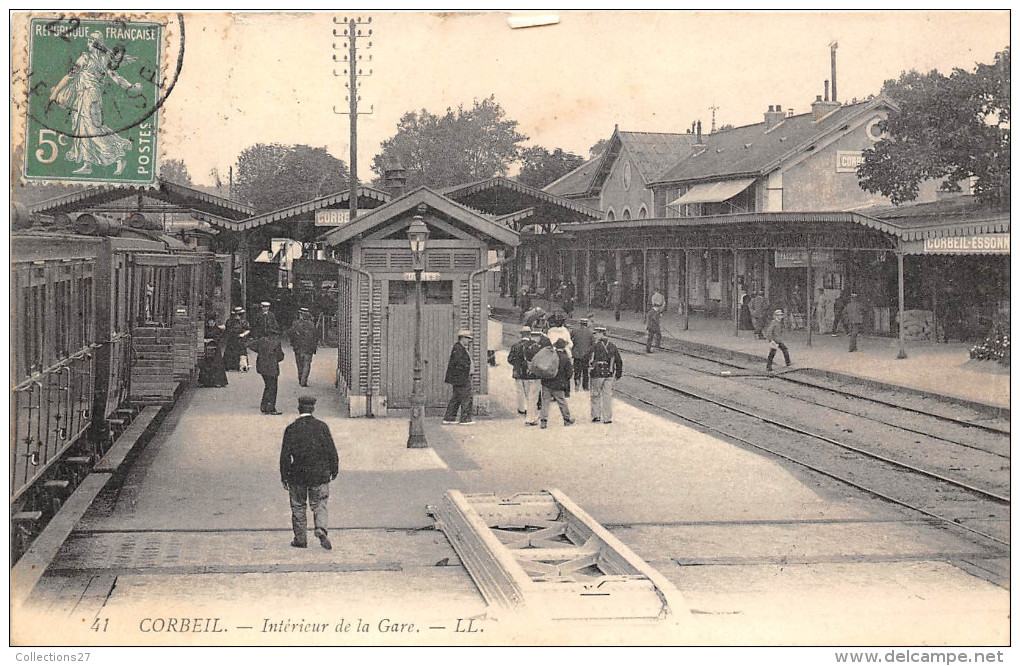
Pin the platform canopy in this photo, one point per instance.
(165, 197)
(500, 196)
(309, 211)
(713, 192)
(453, 218)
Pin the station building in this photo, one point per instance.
(775, 207)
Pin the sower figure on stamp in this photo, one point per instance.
(308, 462)
(304, 340)
(458, 375)
(268, 365)
(774, 334)
(606, 367)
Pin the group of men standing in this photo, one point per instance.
(585, 359)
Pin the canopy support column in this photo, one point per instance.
(902, 353)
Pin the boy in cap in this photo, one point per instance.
(308, 462)
(606, 368)
(558, 387)
(774, 334)
(304, 340)
(517, 360)
(458, 375)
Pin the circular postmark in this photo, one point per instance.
(96, 56)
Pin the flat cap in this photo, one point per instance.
(560, 343)
(584, 322)
(464, 333)
(600, 329)
(306, 400)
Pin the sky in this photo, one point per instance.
(269, 77)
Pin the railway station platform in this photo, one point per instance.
(763, 553)
(939, 368)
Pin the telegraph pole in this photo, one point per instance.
(352, 60)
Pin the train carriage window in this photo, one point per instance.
(35, 327)
(61, 306)
(85, 312)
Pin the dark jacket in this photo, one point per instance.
(652, 321)
(583, 341)
(774, 331)
(304, 337)
(564, 374)
(517, 357)
(854, 312)
(458, 370)
(270, 354)
(263, 325)
(605, 360)
(309, 456)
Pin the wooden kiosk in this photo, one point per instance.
(376, 299)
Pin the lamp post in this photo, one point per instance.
(417, 234)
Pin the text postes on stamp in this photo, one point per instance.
(94, 91)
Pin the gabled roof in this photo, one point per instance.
(751, 151)
(651, 152)
(479, 224)
(576, 183)
(216, 207)
(335, 200)
(521, 196)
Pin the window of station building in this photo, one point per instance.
(642, 212)
(626, 214)
(610, 215)
(401, 292)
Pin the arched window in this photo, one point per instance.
(642, 212)
(610, 215)
(626, 214)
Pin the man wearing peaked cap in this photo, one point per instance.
(308, 462)
(304, 339)
(517, 359)
(237, 330)
(458, 375)
(264, 322)
(774, 335)
(583, 340)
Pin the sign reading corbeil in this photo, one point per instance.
(980, 244)
(425, 277)
(847, 161)
(333, 217)
(798, 258)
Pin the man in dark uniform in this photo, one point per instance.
(583, 341)
(237, 331)
(853, 316)
(519, 362)
(264, 323)
(308, 462)
(653, 329)
(458, 375)
(304, 340)
(606, 368)
(557, 389)
(268, 365)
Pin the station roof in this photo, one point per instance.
(576, 183)
(752, 150)
(476, 223)
(961, 215)
(306, 209)
(204, 205)
(502, 196)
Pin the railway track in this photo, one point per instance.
(936, 496)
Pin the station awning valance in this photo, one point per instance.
(713, 192)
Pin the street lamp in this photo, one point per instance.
(417, 234)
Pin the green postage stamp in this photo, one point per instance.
(94, 93)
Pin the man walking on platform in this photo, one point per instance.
(558, 388)
(583, 341)
(458, 375)
(606, 367)
(653, 326)
(308, 462)
(264, 323)
(758, 318)
(234, 339)
(853, 315)
(519, 362)
(268, 365)
(304, 339)
(774, 334)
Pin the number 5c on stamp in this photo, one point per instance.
(93, 101)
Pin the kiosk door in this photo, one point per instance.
(439, 328)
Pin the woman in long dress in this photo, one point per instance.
(81, 92)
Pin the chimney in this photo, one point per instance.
(698, 141)
(826, 90)
(821, 108)
(773, 116)
(832, 50)
(394, 176)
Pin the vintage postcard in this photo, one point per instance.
(511, 328)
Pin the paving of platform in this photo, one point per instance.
(941, 368)
(763, 553)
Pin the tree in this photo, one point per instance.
(271, 176)
(599, 148)
(458, 147)
(949, 127)
(175, 171)
(540, 167)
